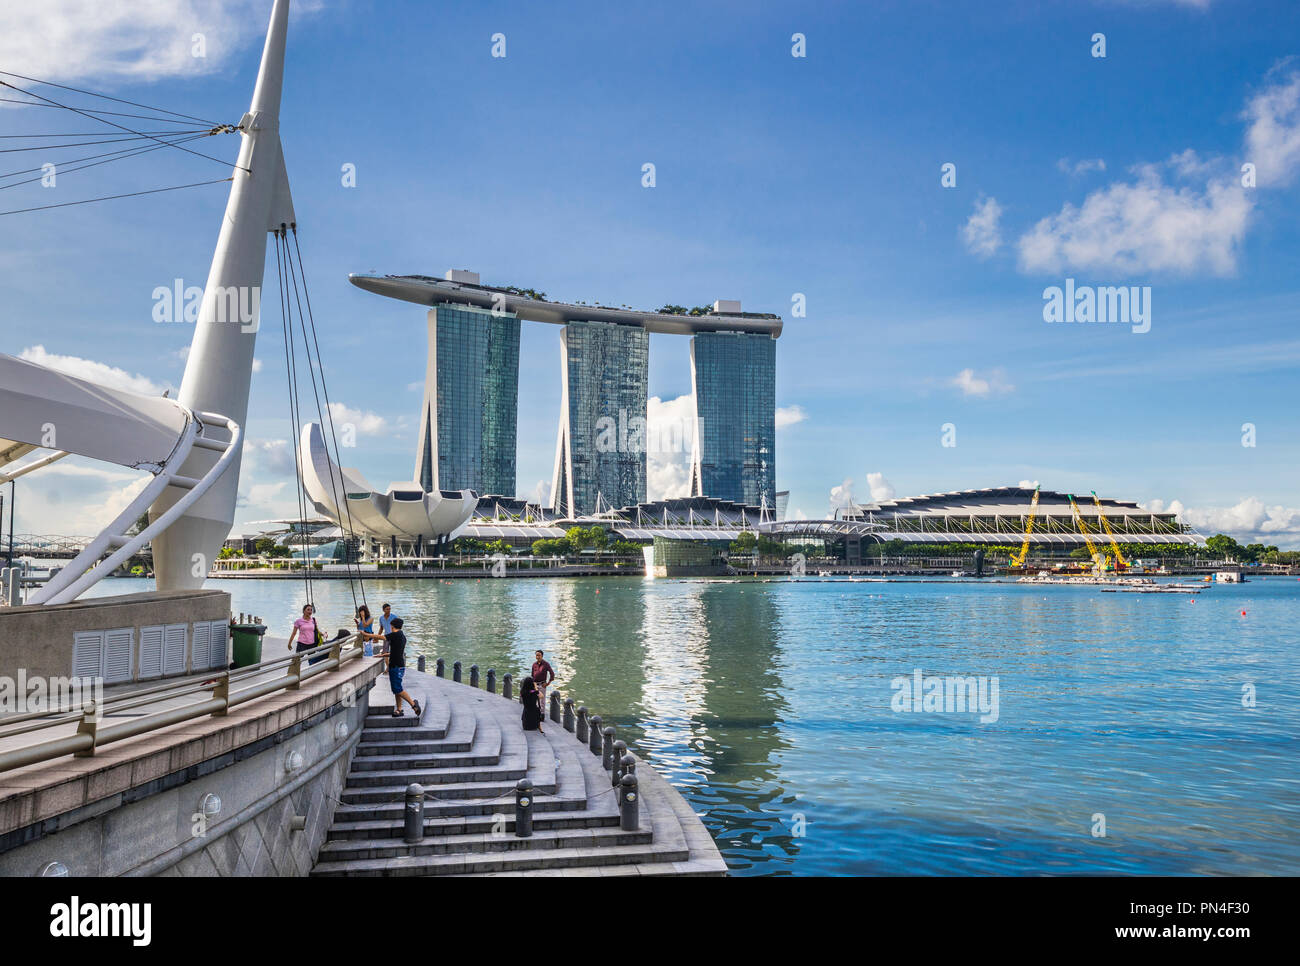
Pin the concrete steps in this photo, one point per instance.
(468, 750)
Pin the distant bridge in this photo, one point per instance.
(51, 546)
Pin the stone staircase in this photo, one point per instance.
(468, 750)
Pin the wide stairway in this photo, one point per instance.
(468, 750)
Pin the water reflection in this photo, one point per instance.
(767, 702)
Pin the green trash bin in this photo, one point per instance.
(247, 643)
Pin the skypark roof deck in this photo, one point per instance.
(427, 290)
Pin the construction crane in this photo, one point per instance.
(1018, 560)
(1098, 558)
(1120, 562)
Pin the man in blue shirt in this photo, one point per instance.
(386, 622)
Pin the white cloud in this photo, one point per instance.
(994, 383)
(881, 488)
(97, 372)
(1027, 484)
(669, 436)
(981, 233)
(842, 496)
(789, 415)
(274, 456)
(364, 420)
(1250, 520)
(1153, 225)
(257, 365)
(145, 40)
(1273, 137)
(1082, 166)
(541, 494)
(1146, 226)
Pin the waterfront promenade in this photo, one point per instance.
(468, 753)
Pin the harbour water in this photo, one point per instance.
(770, 704)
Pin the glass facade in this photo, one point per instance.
(601, 452)
(735, 399)
(476, 391)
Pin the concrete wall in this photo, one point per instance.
(155, 826)
(40, 638)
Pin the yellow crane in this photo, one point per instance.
(1098, 558)
(1018, 560)
(1120, 562)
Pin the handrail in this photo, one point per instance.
(92, 733)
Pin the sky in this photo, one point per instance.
(903, 182)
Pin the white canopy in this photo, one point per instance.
(42, 408)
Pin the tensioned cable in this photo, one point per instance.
(78, 90)
(89, 110)
(91, 134)
(119, 126)
(110, 156)
(291, 376)
(121, 139)
(329, 416)
(311, 373)
(133, 194)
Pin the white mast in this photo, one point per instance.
(220, 364)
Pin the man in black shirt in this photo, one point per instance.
(395, 650)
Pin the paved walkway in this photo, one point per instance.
(468, 750)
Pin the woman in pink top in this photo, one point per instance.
(304, 629)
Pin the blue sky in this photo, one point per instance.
(775, 175)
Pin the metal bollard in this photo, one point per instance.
(419, 663)
(582, 724)
(607, 757)
(596, 722)
(473, 675)
(620, 752)
(629, 805)
(523, 808)
(508, 687)
(455, 672)
(555, 706)
(492, 680)
(568, 714)
(628, 765)
(442, 668)
(414, 813)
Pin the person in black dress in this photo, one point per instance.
(532, 716)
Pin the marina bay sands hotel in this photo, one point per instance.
(468, 419)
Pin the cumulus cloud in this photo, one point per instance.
(1080, 167)
(364, 420)
(1185, 216)
(789, 415)
(1145, 226)
(881, 488)
(971, 384)
(97, 372)
(1250, 520)
(145, 40)
(669, 438)
(842, 496)
(981, 233)
(1273, 137)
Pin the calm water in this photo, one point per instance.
(769, 706)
